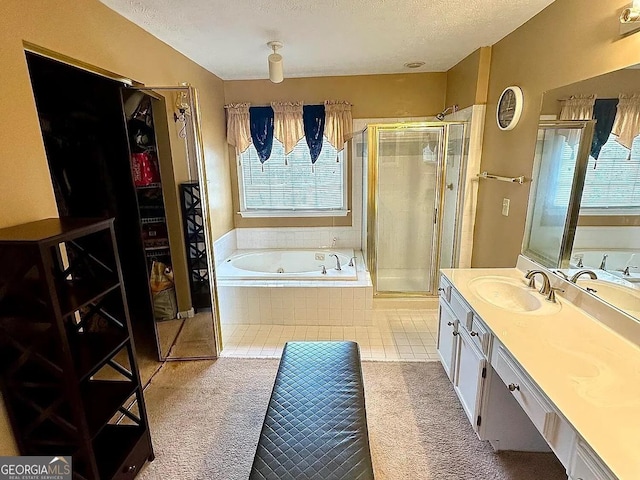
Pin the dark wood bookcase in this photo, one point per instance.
(194, 236)
(68, 368)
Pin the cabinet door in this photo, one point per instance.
(468, 380)
(447, 333)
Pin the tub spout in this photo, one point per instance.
(338, 267)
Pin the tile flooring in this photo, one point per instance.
(396, 334)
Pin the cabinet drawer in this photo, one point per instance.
(587, 466)
(136, 459)
(535, 406)
(462, 312)
(479, 334)
(444, 290)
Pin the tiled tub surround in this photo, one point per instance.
(583, 358)
(292, 302)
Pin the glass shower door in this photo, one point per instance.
(450, 218)
(407, 170)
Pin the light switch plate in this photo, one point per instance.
(505, 206)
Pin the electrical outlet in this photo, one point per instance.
(505, 206)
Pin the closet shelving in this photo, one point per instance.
(67, 358)
(148, 183)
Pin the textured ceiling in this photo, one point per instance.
(327, 37)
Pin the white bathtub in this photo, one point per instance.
(282, 265)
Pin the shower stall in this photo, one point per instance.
(413, 187)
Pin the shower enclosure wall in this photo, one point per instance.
(413, 177)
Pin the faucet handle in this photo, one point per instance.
(552, 293)
(324, 270)
(626, 271)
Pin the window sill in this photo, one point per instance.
(293, 213)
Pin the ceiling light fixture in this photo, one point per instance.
(276, 73)
(414, 64)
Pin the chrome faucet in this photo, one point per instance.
(603, 263)
(552, 294)
(546, 284)
(338, 267)
(577, 275)
(562, 274)
(352, 262)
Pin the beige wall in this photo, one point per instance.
(563, 44)
(88, 31)
(468, 81)
(372, 96)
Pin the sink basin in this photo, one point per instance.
(624, 298)
(512, 295)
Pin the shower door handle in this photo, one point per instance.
(435, 216)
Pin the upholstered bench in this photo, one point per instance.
(316, 426)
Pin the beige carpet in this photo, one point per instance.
(206, 418)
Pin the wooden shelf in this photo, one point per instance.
(102, 399)
(92, 350)
(74, 295)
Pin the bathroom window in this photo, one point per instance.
(295, 187)
(612, 183)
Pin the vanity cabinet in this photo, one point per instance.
(503, 403)
(461, 351)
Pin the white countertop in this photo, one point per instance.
(589, 372)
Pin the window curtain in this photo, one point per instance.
(577, 107)
(604, 112)
(288, 128)
(627, 123)
(261, 124)
(314, 121)
(338, 126)
(238, 130)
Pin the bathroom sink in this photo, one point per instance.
(624, 298)
(512, 295)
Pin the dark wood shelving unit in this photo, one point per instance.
(194, 236)
(63, 321)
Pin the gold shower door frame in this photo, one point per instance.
(373, 137)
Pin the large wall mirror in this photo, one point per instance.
(584, 204)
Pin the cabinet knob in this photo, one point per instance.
(513, 387)
(130, 469)
(450, 324)
(473, 334)
(454, 333)
(441, 289)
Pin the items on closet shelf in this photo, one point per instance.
(145, 170)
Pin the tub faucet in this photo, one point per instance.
(603, 263)
(577, 275)
(546, 284)
(338, 267)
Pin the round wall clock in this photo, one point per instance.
(509, 108)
